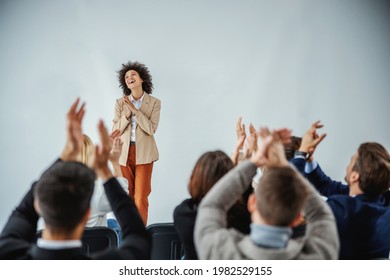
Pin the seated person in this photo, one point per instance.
(62, 196)
(361, 211)
(100, 206)
(275, 208)
(209, 168)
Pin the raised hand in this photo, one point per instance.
(116, 150)
(102, 153)
(311, 139)
(130, 104)
(74, 132)
(271, 150)
(255, 136)
(240, 132)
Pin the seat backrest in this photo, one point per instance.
(95, 239)
(166, 244)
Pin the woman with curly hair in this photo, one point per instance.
(137, 115)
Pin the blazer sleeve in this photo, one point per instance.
(149, 125)
(22, 224)
(321, 229)
(324, 185)
(21, 227)
(136, 243)
(120, 121)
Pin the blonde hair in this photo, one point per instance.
(87, 151)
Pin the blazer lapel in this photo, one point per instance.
(145, 103)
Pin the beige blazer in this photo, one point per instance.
(147, 119)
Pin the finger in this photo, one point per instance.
(74, 105)
(97, 150)
(319, 139)
(80, 113)
(104, 137)
(252, 128)
(115, 133)
(238, 124)
(243, 129)
(284, 135)
(264, 132)
(317, 124)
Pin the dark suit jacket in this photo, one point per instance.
(16, 239)
(363, 222)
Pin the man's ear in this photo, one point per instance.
(36, 207)
(252, 203)
(86, 216)
(354, 177)
(299, 219)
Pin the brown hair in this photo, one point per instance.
(292, 146)
(280, 195)
(209, 168)
(373, 165)
(143, 72)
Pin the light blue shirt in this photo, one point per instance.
(270, 236)
(309, 166)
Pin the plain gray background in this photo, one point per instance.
(276, 63)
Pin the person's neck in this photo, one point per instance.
(354, 190)
(75, 234)
(137, 93)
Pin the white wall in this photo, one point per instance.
(276, 63)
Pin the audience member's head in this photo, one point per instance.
(370, 168)
(63, 195)
(280, 196)
(209, 168)
(143, 73)
(292, 146)
(87, 152)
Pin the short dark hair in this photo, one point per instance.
(64, 194)
(292, 146)
(143, 72)
(373, 165)
(209, 168)
(280, 195)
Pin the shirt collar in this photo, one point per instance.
(270, 236)
(139, 100)
(58, 244)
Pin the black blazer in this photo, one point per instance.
(17, 237)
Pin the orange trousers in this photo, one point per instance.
(139, 178)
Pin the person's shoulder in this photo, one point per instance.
(152, 98)
(119, 100)
(187, 206)
(342, 202)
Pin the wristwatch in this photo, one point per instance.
(304, 154)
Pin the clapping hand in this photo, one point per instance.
(74, 132)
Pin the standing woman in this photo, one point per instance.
(136, 116)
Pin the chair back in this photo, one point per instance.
(166, 244)
(95, 239)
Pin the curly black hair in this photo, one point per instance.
(143, 72)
